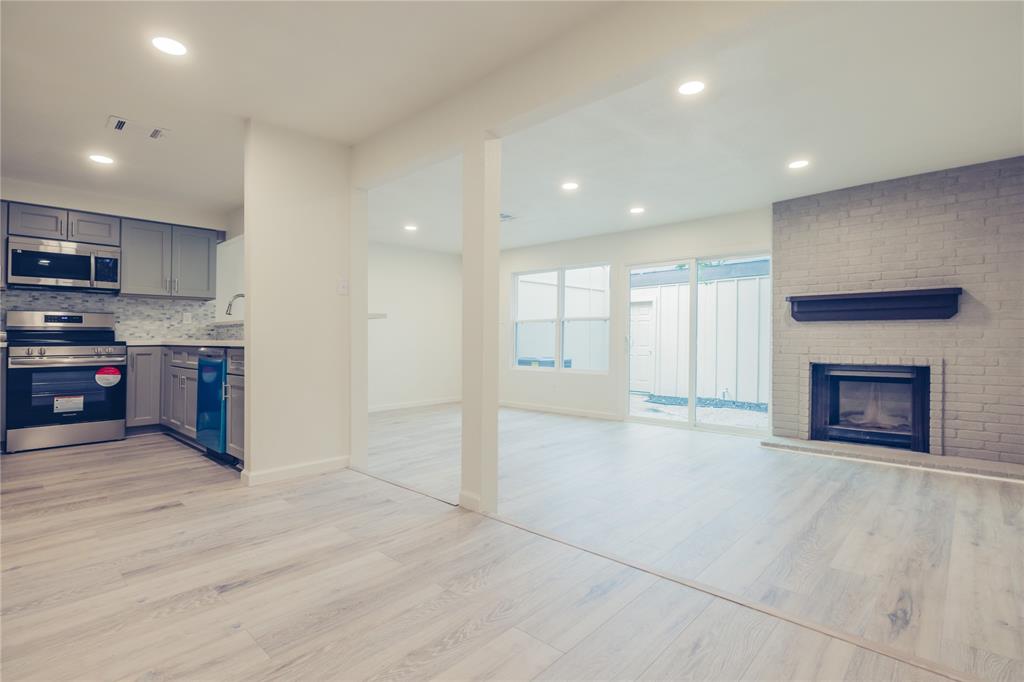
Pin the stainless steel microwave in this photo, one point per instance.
(55, 263)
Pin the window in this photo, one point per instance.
(561, 319)
(585, 319)
(536, 319)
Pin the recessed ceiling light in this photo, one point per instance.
(691, 88)
(570, 186)
(169, 46)
(636, 210)
(100, 158)
(799, 163)
(411, 228)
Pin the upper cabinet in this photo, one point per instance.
(46, 222)
(94, 228)
(168, 260)
(37, 221)
(146, 258)
(194, 262)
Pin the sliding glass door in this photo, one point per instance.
(699, 340)
(659, 341)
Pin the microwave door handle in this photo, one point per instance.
(92, 270)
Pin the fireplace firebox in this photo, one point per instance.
(874, 404)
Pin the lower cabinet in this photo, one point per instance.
(178, 396)
(144, 379)
(236, 416)
(163, 388)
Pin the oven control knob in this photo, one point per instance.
(109, 350)
(96, 350)
(30, 351)
(42, 351)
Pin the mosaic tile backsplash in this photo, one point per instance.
(137, 317)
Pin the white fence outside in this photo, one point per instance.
(733, 339)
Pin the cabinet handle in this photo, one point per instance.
(132, 357)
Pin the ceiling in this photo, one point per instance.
(341, 70)
(865, 91)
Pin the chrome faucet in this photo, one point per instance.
(232, 302)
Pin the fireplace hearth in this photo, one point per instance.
(873, 404)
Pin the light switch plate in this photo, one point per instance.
(343, 287)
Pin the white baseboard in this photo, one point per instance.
(414, 403)
(554, 409)
(320, 466)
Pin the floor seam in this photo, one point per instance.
(933, 667)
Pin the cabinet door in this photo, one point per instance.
(194, 265)
(94, 228)
(37, 221)
(190, 381)
(3, 252)
(144, 401)
(145, 258)
(178, 407)
(166, 388)
(236, 416)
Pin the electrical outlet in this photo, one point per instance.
(343, 287)
(186, 318)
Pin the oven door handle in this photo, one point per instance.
(67, 361)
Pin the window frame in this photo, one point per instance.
(560, 320)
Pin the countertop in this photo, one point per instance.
(195, 343)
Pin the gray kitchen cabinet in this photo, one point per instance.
(37, 221)
(190, 390)
(144, 382)
(236, 416)
(3, 246)
(194, 262)
(170, 382)
(94, 228)
(146, 258)
(168, 260)
(3, 392)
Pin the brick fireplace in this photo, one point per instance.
(962, 227)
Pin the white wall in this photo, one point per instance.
(415, 354)
(230, 279)
(297, 322)
(604, 394)
(179, 213)
(234, 222)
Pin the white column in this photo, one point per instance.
(297, 312)
(359, 352)
(481, 188)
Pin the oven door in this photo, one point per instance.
(49, 262)
(64, 390)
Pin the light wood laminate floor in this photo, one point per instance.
(143, 560)
(929, 563)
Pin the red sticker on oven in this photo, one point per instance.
(108, 376)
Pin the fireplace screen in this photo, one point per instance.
(880, 405)
(877, 404)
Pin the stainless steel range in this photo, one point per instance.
(65, 379)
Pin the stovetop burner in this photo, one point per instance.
(87, 332)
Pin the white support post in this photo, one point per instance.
(481, 229)
(359, 311)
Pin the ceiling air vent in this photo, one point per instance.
(122, 126)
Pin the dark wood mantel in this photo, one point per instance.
(908, 304)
